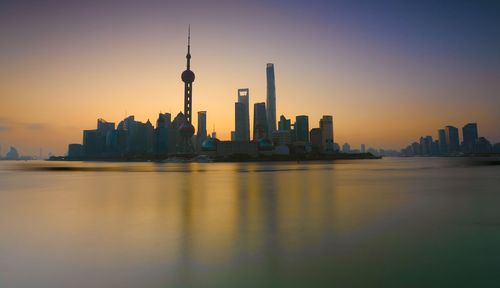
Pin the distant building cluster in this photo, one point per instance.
(448, 143)
(13, 154)
(131, 138)
(347, 149)
(286, 133)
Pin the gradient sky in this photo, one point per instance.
(388, 71)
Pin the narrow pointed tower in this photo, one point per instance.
(186, 130)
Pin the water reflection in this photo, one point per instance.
(239, 224)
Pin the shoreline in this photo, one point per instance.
(232, 159)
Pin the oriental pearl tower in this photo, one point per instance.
(186, 130)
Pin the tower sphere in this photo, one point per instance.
(187, 76)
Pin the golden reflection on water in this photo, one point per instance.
(193, 223)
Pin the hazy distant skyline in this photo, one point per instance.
(387, 71)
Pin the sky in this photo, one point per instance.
(388, 71)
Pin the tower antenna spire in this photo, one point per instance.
(188, 56)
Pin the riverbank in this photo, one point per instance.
(232, 158)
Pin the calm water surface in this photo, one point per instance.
(421, 222)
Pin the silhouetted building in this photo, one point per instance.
(265, 146)
(174, 139)
(237, 148)
(336, 147)
(442, 141)
(214, 134)
(242, 116)
(75, 150)
(426, 145)
(117, 142)
(301, 128)
(346, 148)
(104, 127)
(496, 148)
(326, 126)
(281, 137)
(470, 133)
(161, 133)
(202, 129)
(164, 120)
(12, 154)
(435, 148)
(271, 98)
(284, 124)
(470, 136)
(260, 125)
(363, 149)
(483, 145)
(209, 145)
(105, 130)
(140, 138)
(240, 122)
(93, 143)
(315, 135)
(452, 140)
(374, 151)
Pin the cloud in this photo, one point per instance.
(8, 125)
(35, 126)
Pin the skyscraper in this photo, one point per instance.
(302, 128)
(242, 117)
(104, 127)
(240, 122)
(284, 124)
(186, 129)
(202, 129)
(161, 133)
(470, 135)
(326, 126)
(260, 125)
(442, 141)
(346, 148)
(174, 140)
(271, 98)
(316, 139)
(164, 120)
(452, 141)
(470, 132)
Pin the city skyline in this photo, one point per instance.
(136, 73)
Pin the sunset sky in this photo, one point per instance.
(388, 71)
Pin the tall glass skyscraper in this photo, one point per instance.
(242, 117)
(469, 133)
(326, 126)
(302, 128)
(202, 129)
(271, 98)
(442, 141)
(260, 130)
(452, 141)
